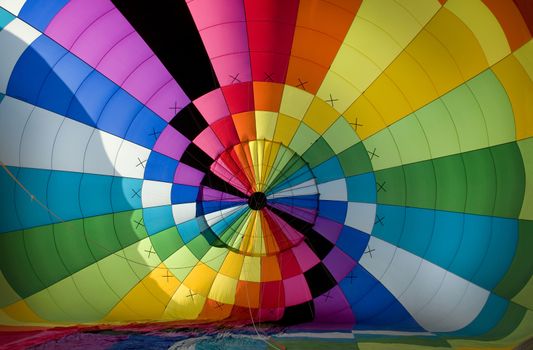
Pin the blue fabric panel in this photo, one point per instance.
(126, 194)
(489, 317)
(333, 210)
(308, 201)
(91, 98)
(118, 113)
(5, 18)
(157, 219)
(145, 128)
(417, 231)
(222, 225)
(361, 188)
(32, 68)
(95, 194)
(8, 212)
(393, 219)
(29, 211)
(353, 242)
(160, 167)
(328, 171)
(63, 192)
(499, 254)
(39, 13)
(473, 247)
(189, 230)
(63, 81)
(212, 206)
(184, 194)
(373, 305)
(446, 239)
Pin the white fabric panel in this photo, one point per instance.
(439, 300)
(333, 190)
(101, 153)
(13, 117)
(456, 304)
(401, 271)
(14, 39)
(131, 160)
(305, 188)
(37, 144)
(183, 212)
(378, 260)
(155, 193)
(214, 217)
(13, 6)
(361, 216)
(70, 145)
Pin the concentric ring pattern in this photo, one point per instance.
(363, 163)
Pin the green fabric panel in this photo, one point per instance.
(72, 245)
(451, 183)
(394, 188)
(127, 227)
(511, 180)
(318, 153)
(44, 258)
(340, 135)
(481, 182)
(521, 268)
(199, 246)
(101, 235)
(510, 320)
(16, 266)
(421, 185)
(303, 139)
(166, 242)
(355, 160)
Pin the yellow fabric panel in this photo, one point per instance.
(461, 43)
(484, 25)
(525, 57)
(519, 87)
(412, 81)
(9, 296)
(439, 66)
(295, 102)
(232, 266)
(364, 113)
(200, 279)
(337, 86)
(148, 299)
(21, 312)
(185, 304)
(285, 129)
(251, 269)
(265, 124)
(320, 115)
(388, 100)
(223, 289)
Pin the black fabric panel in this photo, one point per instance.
(319, 280)
(318, 243)
(216, 183)
(195, 157)
(300, 313)
(169, 30)
(189, 122)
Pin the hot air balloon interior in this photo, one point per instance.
(266, 174)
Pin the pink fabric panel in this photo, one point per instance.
(208, 142)
(296, 290)
(212, 106)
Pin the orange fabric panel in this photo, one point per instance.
(511, 20)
